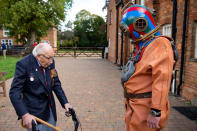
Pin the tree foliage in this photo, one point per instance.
(69, 25)
(28, 20)
(90, 29)
(66, 35)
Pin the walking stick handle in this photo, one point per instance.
(46, 123)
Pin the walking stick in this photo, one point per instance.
(43, 122)
(46, 123)
(72, 113)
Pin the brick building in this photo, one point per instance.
(50, 38)
(177, 18)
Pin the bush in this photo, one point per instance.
(67, 43)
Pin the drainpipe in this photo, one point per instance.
(182, 48)
(121, 56)
(121, 53)
(117, 26)
(174, 30)
(107, 42)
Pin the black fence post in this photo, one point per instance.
(75, 48)
(103, 52)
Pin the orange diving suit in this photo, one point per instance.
(146, 88)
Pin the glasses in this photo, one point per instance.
(48, 58)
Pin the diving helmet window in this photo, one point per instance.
(140, 24)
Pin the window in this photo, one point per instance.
(109, 43)
(110, 17)
(8, 42)
(167, 30)
(195, 51)
(5, 33)
(141, 2)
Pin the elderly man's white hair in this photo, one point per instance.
(40, 48)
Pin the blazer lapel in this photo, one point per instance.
(41, 77)
(39, 73)
(48, 78)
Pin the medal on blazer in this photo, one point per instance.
(53, 73)
(31, 78)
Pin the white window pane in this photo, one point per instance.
(166, 30)
(142, 2)
(5, 33)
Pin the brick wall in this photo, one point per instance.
(164, 10)
(2, 37)
(189, 89)
(164, 16)
(189, 86)
(51, 37)
(111, 34)
(119, 36)
(1, 33)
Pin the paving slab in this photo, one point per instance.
(92, 86)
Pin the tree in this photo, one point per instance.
(66, 35)
(69, 25)
(28, 20)
(89, 29)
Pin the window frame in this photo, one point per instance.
(110, 17)
(109, 43)
(8, 42)
(167, 30)
(5, 33)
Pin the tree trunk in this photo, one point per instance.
(30, 42)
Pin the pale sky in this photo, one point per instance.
(93, 6)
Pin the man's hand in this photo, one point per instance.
(67, 106)
(27, 120)
(153, 122)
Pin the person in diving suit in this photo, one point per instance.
(148, 71)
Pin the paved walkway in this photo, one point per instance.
(93, 88)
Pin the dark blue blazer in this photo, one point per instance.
(29, 92)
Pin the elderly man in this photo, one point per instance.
(31, 90)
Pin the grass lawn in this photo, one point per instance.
(8, 65)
